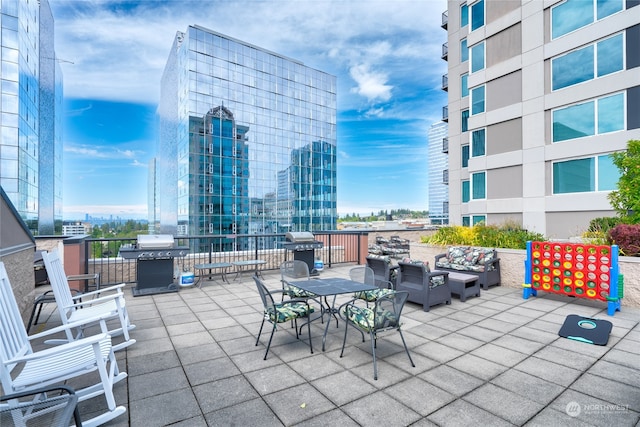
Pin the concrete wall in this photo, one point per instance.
(19, 266)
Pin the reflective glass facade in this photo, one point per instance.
(438, 162)
(247, 140)
(31, 93)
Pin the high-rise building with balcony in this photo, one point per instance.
(31, 115)
(438, 174)
(247, 140)
(540, 94)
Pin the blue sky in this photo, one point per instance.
(385, 54)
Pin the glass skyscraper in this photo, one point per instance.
(247, 140)
(438, 174)
(31, 119)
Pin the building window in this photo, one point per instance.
(571, 15)
(477, 15)
(466, 196)
(477, 100)
(585, 175)
(465, 155)
(594, 117)
(445, 208)
(466, 221)
(595, 60)
(478, 185)
(477, 57)
(464, 121)
(464, 16)
(464, 51)
(610, 55)
(478, 143)
(477, 219)
(464, 87)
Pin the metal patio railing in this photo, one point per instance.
(339, 247)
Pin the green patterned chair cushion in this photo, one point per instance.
(363, 317)
(371, 296)
(285, 312)
(295, 292)
(436, 281)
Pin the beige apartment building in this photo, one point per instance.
(540, 93)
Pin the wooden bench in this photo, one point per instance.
(222, 266)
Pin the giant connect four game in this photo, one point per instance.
(578, 270)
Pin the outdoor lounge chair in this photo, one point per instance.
(381, 266)
(23, 370)
(424, 286)
(384, 316)
(82, 310)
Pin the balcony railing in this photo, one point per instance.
(445, 82)
(445, 19)
(445, 50)
(101, 255)
(445, 145)
(445, 114)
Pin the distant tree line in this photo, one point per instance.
(130, 228)
(396, 214)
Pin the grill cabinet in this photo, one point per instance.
(154, 256)
(303, 246)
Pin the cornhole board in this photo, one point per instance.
(586, 329)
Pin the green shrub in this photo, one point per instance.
(595, 238)
(508, 235)
(603, 224)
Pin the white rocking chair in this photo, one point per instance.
(34, 370)
(84, 311)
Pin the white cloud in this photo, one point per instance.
(137, 164)
(119, 49)
(371, 84)
(99, 152)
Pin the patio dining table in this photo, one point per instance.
(331, 286)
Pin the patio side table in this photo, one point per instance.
(242, 265)
(464, 285)
(222, 266)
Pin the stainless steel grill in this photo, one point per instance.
(154, 256)
(152, 246)
(303, 244)
(301, 241)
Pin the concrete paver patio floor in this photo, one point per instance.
(494, 360)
